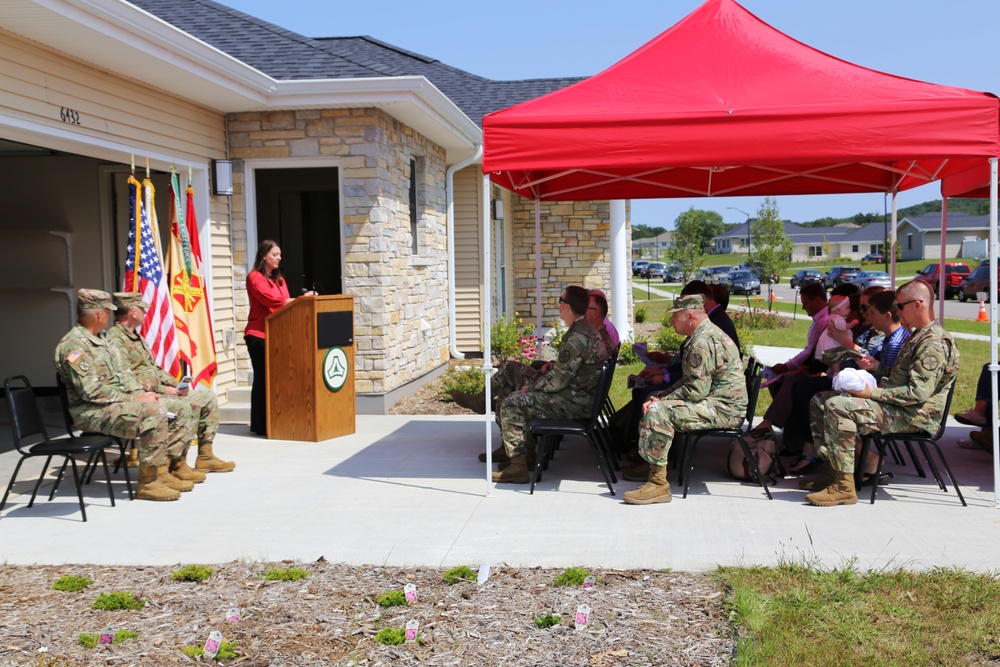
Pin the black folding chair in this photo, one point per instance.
(884, 440)
(122, 445)
(550, 431)
(31, 440)
(689, 439)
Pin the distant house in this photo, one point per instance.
(807, 242)
(919, 236)
(653, 246)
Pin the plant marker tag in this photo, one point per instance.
(589, 582)
(106, 636)
(411, 630)
(582, 616)
(233, 615)
(410, 592)
(484, 574)
(213, 643)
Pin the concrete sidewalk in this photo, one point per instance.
(409, 491)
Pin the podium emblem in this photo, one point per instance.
(335, 368)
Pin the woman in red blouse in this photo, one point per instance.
(268, 292)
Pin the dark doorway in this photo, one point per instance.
(300, 209)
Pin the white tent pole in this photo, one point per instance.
(487, 333)
(538, 267)
(993, 331)
(942, 290)
(892, 246)
(619, 280)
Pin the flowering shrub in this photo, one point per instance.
(757, 318)
(512, 340)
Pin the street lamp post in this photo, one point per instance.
(748, 227)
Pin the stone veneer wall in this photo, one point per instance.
(400, 307)
(575, 250)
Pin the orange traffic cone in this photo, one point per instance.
(982, 317)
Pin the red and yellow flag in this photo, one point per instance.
(188, 294)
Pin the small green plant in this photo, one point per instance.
(668, 340)
(227, 651)
(460, 573)
(392, 599)
(117, 601)
(71, 583)
(391, 636)
(287, 574)
(626, 355)
(469, 381)
(512, 340)
(640, 314)
(193, 573)
(548, 620)
(90, 640)
(571, 576)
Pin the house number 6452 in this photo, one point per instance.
(69, 116)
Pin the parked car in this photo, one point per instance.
(638, 266)
(717, 275)
(672, 274)
(954, 274)
(868, 279)
(757, 269)
(743, 282)
(654, 270)
(976, 282)
(873, 257)
(840, 275)
(804, 277)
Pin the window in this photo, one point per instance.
(413, 206)
(909, 241)
(854, 248)
(815, 251)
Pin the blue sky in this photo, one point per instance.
(943, 42)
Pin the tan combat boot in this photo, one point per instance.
(515, 473)
(840, 492)
(180, 469)
(133, 457)
(818, 482)
(150, 489)
(164, 477)
(529, 459)
(656, 490)
(208, 462)
(499, 455)
(637, 473)
(474, 402)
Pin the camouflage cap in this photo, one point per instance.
(94, 299)
(126, 300)
(688, 302)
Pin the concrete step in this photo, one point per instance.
(236, 409)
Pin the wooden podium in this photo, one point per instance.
(310, 369)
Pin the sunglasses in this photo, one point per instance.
(562, 300)
(903, 304)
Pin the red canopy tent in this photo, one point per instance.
(723, 104)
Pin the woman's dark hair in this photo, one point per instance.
(258, 264)
(885, 303)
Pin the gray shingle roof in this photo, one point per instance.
(286, 55)
(956, 220)
(797, 233)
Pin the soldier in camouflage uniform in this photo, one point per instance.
(131, 313)
(910, 397)
(105, 397)
(597, 314)
(710, 394)
(566, 391)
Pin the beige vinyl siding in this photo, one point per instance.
(36, 83)
(468, 260)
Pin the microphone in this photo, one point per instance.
(316, 287)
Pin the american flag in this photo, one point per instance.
(145, 275)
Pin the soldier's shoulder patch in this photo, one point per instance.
(564, 355)
(73, 356)
(696, 359)
(930, 363)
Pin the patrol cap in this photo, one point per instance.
(688, 302)
(126, 300)
(94, 299)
